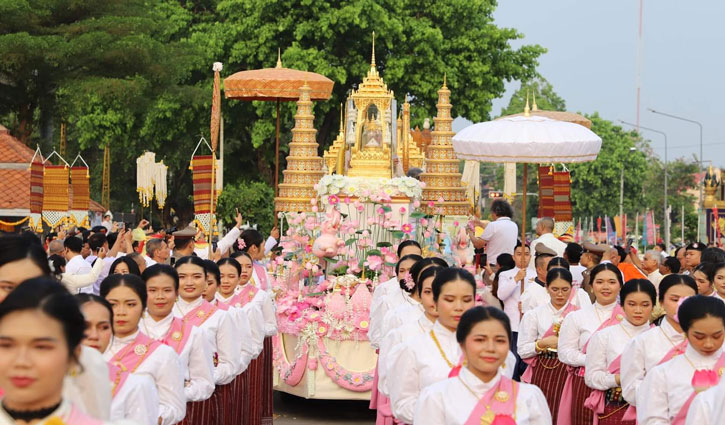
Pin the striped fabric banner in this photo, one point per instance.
(546, 192)
(36, 187)
(55, 188)
(80, 182)
(562, 196)
(201, 168)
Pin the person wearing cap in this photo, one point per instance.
(542, 256)
(183, 243)
(545, 231)
(107, 221)
(590, 258)
(693, 255)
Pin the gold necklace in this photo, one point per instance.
(625, 330)
(689, 361)
(502, 396)
(440, 349)
(668, 338)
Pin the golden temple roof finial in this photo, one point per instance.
(534, 107)
(342, 120)
(444, 80)
(527, 110)
(279, 58)
(372, 61)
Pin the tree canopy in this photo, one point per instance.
(136, 75)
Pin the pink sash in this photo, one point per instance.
(198, 316)
(227, 304)
(595, 401)
(248, 293)
(498, 404)
(261, 274)
(178, 335)
(674, 352)
(531, 361)
(117, 376)
(133, 355)
(567, 395)
(457, 368)
(716, 375)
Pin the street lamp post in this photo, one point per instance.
(621, 196)
(700, 205)
(666, 214)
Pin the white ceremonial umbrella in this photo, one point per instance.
(526, 139)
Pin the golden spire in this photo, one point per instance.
(342, 120)
(527, 110)
(535, 107)
(444, 81)
(279, 58)
(372, 61)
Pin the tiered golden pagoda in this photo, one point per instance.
(442, 176)
(304, 165)
(335, 156)
(408, 151)
(370, 154)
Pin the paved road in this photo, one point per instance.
(290, 410)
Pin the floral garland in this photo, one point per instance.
(366, 188)
(349, 380)
(292, 373)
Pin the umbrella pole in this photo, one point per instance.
(276, 162)
(523, 204)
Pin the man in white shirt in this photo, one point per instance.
(545, 231)
(500, 235)
(651, 265)
(75, 264)
(157, 251)
(573, 254)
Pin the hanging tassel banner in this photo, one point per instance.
(36, 187)
(201, 167)
(80, 181)
(546, 192)
(55, 194)
(562, 196)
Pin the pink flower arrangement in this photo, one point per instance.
(408, 281)
(241, 244)
(333, 200)
(407, 228)
(704, 379)
(374, 262)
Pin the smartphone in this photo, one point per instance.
(482, 260)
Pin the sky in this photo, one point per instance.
(592, 63)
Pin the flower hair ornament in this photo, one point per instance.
(679, 304)
(407, 282)
(241, 244)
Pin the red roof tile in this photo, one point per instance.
(13, 150)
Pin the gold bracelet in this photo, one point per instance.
(537, 348)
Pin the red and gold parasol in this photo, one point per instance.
(278, 84)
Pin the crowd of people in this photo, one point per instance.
(135, 326)
(551, 332)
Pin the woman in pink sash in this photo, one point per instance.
(604, 354)
(703, 275)
(218, 326)
(189, 342)
(41, 328)
(134, 396)
(481, 394)
(576, 329)
(659, 344)
(136, 352)
(717, 277)
(539, 337)
(254, 247)
(425, 361)
(668, 390)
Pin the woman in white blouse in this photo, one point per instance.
(425, 361)
(702, 275)
(539, 337)
(576, 329)
(717, 277)
(480, 393)
(660, 343)
(604, 354)
(138, 352)
(667, 391)
(134, 396)
(413, 327)
(707, 408)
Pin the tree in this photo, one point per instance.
(595, 185)
(538, 89)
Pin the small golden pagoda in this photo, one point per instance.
(335, 156)
(370, 154)
(442, 176)
(408, 151)
(304, 165)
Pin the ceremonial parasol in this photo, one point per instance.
(526, 139)
(279, 84)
